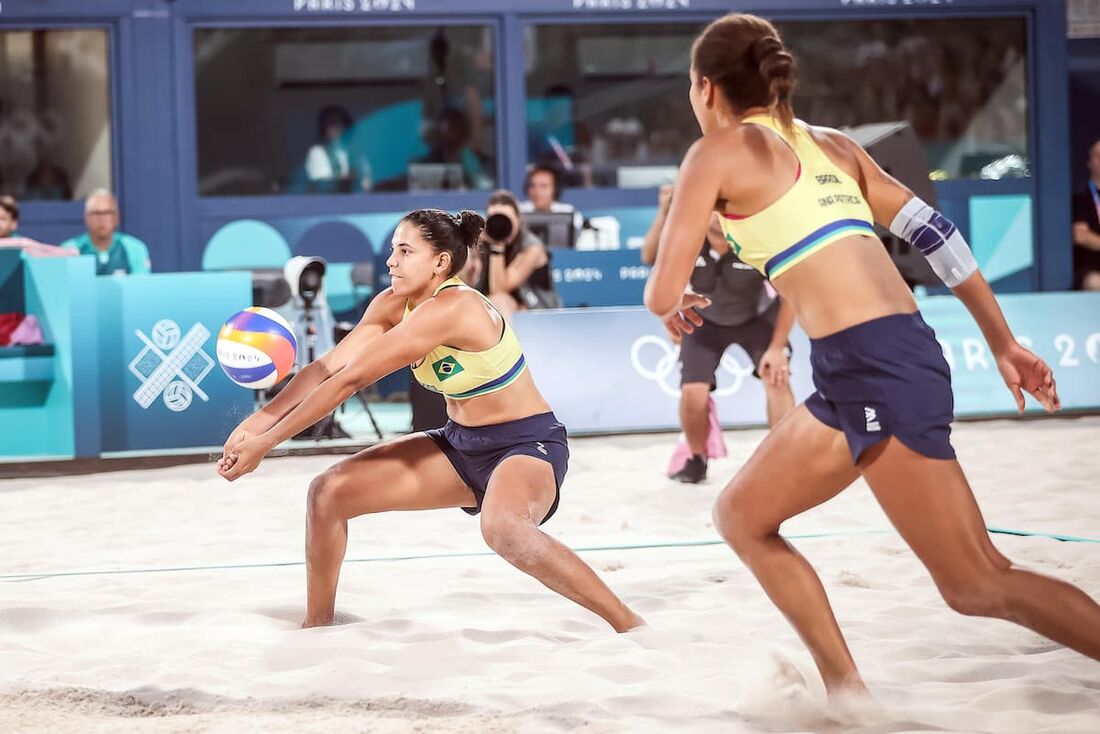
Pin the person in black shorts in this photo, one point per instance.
(741, 312)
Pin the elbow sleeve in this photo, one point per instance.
(938, 239)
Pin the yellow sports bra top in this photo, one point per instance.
(824, 205)
(462, 375)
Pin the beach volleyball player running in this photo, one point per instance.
(798, 203)
(502, 454)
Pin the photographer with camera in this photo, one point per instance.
(516, 268)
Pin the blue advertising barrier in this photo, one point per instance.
(599, 278)
(609, 370)
(128, 362)
(160, 385)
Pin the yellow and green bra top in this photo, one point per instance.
(823, 206)
(461, 375)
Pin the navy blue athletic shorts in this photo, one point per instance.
(476, 451)
(884, 377)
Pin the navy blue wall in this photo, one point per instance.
(153, 127)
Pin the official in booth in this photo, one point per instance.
(115, 253)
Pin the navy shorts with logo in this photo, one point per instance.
(476, 451)
(885, 377)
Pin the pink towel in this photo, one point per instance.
(716, 443)
(28, 332)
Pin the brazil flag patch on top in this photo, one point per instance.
(446, 367)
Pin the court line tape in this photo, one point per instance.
(475, 554)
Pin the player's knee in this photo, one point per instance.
(733, 518)
(695, 391)
(321, 499)
(507, 534)
(981, 595)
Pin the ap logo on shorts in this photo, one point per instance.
(171, 366)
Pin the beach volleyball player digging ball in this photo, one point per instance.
(502, 455)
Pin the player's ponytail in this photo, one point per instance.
(470, 225)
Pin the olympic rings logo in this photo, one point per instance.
(665, 358)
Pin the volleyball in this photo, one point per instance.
(256, 348)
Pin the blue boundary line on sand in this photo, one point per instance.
(475, 554)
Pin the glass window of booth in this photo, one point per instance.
(608, 103)
(344, 109)
(961, 83)
(55, 113)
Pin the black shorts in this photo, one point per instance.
(702, 350)
(476, 451)
(884, 377)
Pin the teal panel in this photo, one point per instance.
(160, 383)
(378, 228)
(41, 418)
(245, 244)
(26, 369)
(338, 287)
(383, 138)
(1001, 234)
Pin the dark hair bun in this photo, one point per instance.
(470, 224)
(775, 64)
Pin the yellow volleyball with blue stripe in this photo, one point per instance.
(256, 348)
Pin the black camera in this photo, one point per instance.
(305, 276)
(498, 228)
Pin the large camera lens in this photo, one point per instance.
(310, 282)
(498, 227)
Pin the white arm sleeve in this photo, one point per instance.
(938, 239)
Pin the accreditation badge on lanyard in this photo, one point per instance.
(1095, 199)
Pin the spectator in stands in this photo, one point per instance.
(10, 238)
(48, 181)
(448, 140)
(543, 189)
(9, 217)
(1086, 228)
(331, 164)
(516, 265)
(116, 253)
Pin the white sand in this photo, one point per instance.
(471, 645)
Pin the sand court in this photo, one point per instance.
(168, 600)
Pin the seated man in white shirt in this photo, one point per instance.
(543, 187)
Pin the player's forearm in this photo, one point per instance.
(979, 300)
(302, 384)
(312, 407)
(653, 237)
(1085, 237)
(498, 274)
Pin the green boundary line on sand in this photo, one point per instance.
(474, 554)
